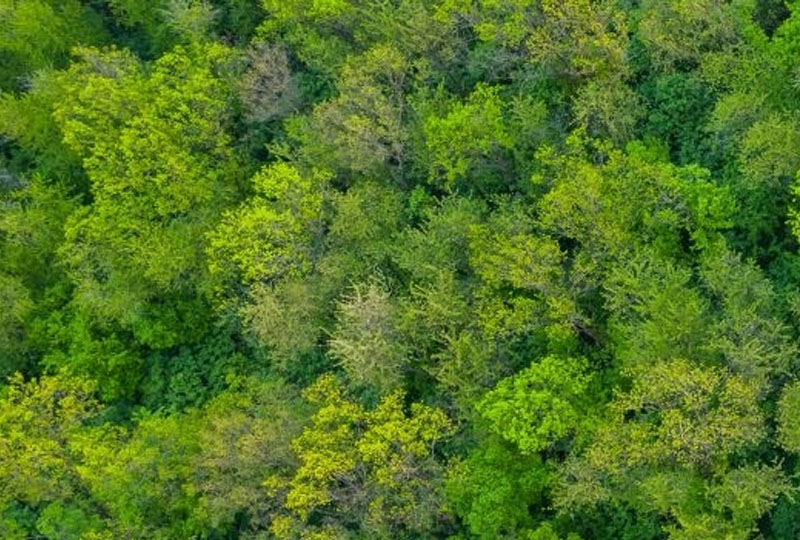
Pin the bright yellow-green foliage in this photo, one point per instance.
(467, 132)
(540, 406)
(580, 38)
(574, 39)
(506, 254)
(702, 416)
(275, 234)
(369, 466)
(327, 452)
(310, 26)
(633, 197)
(657, 315)
(141, 480)
(169, 477)
(38, 422)
(506, 22)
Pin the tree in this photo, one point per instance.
(27, 119)
(466, 135)
(362, 128)
(520, 271)
(654, 312)
(40, 421)
(361, 239)
(607, 212)
(274, 235)
(139, 477)
(789, 434)
(289, 319)
(767, 174)
(366, 341)
(373, 470)
(750, 334)
(608, 109)
(679, 33)
(245, 459)
(166, 23)
(580, 39)
(268, 89)
(495, 488)
(161, 168)
(542, 406)
(668, 444)
(36, 34)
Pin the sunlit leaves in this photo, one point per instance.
(466, 133)
(38, 419)
(276, 233)
(540, 406)
(372, 468)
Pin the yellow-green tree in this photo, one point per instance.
(161, 168)
(372, 470)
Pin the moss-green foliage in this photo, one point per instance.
(347, 269)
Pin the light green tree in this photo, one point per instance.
(541, 406)
(40, 422)
(161, 169)
(274, 235)
(374, 469)
(366, 341)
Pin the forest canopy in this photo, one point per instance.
(400, 269)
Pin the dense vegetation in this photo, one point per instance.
(327, 269)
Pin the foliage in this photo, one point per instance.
(349, 269)
(374, 469)
(540, 406)
(467, 133)
(155, 190)
(494, 488)
(37, 34)
(271, 236)
(365, 340)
